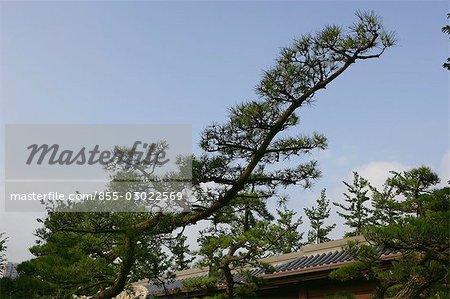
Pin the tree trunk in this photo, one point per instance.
(413, 288)
(119, 284)
(228, 281)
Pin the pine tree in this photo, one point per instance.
(317, 216)
(384, 208)
(286, 231)
(358, 214)
(239, 237)
(181, 252)
(412, 185)
(419, 233)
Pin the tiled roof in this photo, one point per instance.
(298, 263)
(315, 260)
(312, 261)
(331, 255)
(177, 284)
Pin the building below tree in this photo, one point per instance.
(303, 274)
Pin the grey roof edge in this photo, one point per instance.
(322, 254)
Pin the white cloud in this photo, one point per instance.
(378, 171)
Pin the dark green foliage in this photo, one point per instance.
(357, 212)
(413, 185)
(83, 263)
(241, 235)
(385, 208)
(201, 283)
(26, 286)
(285, 231)
(419, 233)
(180, 252)
(317, 216)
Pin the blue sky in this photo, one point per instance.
(186, 62)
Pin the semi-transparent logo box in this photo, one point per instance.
(98, 168)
